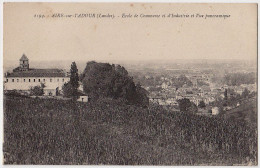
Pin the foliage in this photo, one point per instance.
(105, 80)
(245, 93)
(202, 104)
(69, 91)
(74, 80)
(142, 95)
(37, 90)
(15, 93)
(186, 105)
(155, 89)
(111, 132)
(181, 80)
(236, 79)
(202, 83)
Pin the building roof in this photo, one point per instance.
(39, 73)
(24, 58)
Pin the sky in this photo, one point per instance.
(83, 39)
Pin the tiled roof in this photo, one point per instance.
(39, 73)
(23, 58)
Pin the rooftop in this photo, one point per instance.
(24, 58)
(38, 73)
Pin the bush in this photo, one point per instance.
(15, 93)
(202, 104)
(37, 90)
(186, 105)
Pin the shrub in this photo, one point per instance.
(37, 90)
(186, 105)
(15, 93)
(202, 104)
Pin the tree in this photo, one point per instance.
(202, 104)
(37, 90)
(67, 90)
(72, 87)
(57, 91)
(225, 95)
(225, 98)
(105, 80)
(186, 105)
(245, 93)
(142, 98)
(236, 79)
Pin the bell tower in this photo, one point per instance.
(24, 63)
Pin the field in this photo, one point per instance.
(49, 131)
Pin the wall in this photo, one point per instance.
(21, 85)
(83, 99)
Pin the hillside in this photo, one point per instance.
(110, 132)
(246, 112)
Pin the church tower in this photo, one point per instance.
(24, 63)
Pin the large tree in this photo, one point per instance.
(74, 76)
(67, 90)
(70, 89)
(105, 80)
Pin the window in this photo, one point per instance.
(39, 80)
(43, 80)
(33, 80)
(50, 80)
(23, 80)
(62, 80)
(29, 80)
(17, 80)
(6, 80)
(57, 80)
(12, 80)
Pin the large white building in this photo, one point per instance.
(23, 78)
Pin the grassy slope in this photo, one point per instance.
(109, 132)
(247, 111)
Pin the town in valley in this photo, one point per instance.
(205, 83)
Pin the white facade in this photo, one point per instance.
(25, 83)
(215, 111)
(83, 99)
(24, 78)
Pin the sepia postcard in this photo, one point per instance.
(130, 84)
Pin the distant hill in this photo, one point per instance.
(128, 64)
